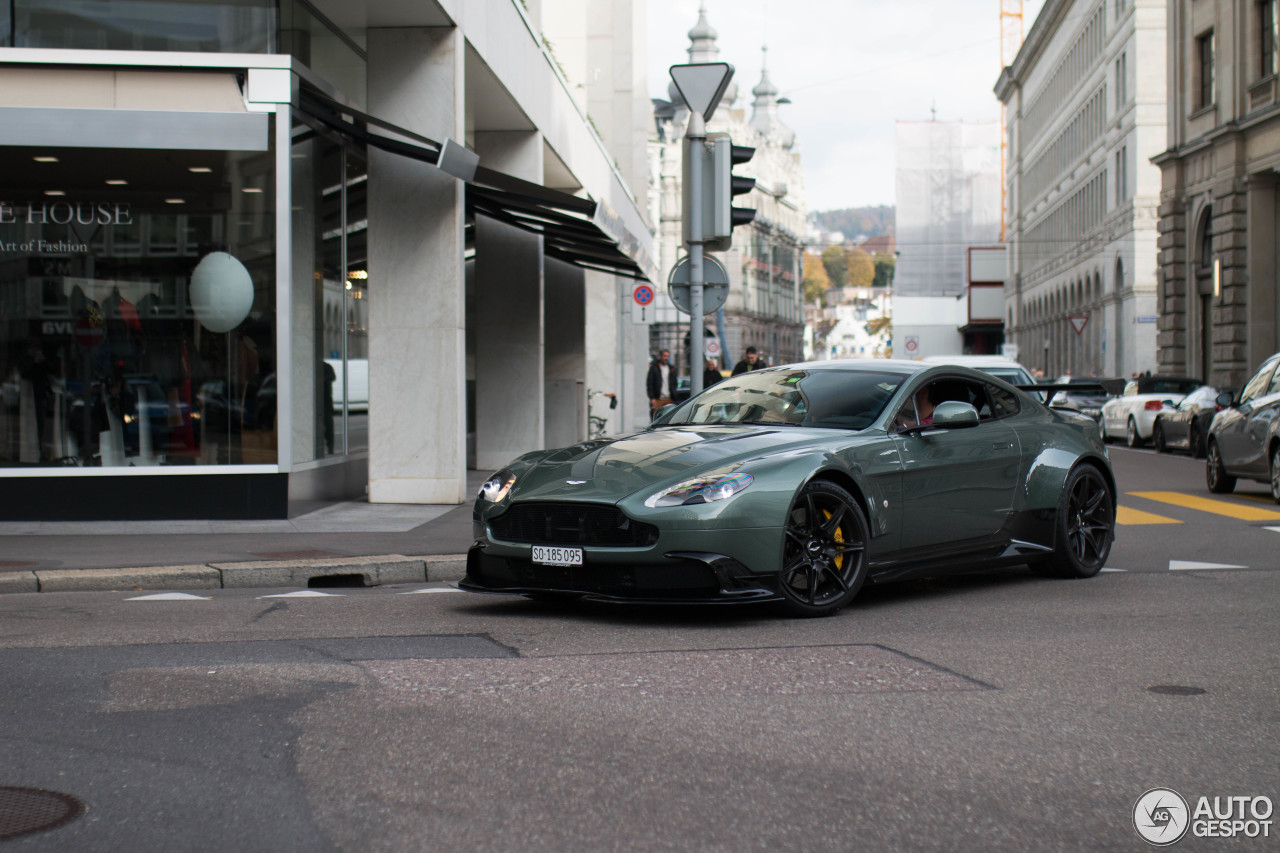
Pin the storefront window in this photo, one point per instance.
(137, 308)
(331, 302)
(323, 47)
(210, 26)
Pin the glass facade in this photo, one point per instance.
(137, 308)
(331, 295)
(211, 26)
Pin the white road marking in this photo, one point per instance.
(1186, 565)
(430, 589)
(303, 593)
(170, 596)
(1113, 570)
(1272, 529)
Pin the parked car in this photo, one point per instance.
(1007, 369)
(1185, 427)
(1090, 398)
(1243, 439)
(798, 484)
(1132, 415)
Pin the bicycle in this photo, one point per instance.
(596, 424)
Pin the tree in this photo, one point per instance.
(885, 267)
(816, 280)
(833, 259)
(860, 270)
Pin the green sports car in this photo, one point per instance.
(799, 484)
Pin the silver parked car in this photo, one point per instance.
(1244, 438)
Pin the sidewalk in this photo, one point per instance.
(343, 543)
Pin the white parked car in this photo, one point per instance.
(998, 366)
(1132, 415)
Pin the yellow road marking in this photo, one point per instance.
(1233, 510)
(1128, 515)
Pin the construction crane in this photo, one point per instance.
(1011, 34)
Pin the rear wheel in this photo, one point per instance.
(1084, 527)
(824, 557)
(1157, 438)
(1215, 475)
(1131, 436)
(1195, 441)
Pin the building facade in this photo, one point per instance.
(258, 252)
(1219, 206)
(1085, 106)
(764, 307)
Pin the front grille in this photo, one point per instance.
(562, 523)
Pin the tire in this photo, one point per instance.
(1275, 473)
(824, 553)
(1084, 526)
(1215, 475)
(1195, 442)
(1157, 438)
(1131, 436)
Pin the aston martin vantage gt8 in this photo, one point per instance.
(799, 484)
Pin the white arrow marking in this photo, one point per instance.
(1185, 565)
(430, 589)
(1113, 570)
(303, 593)
(170, 596)
(1272, 529)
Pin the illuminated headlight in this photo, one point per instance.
(497, 487)
(715, 487)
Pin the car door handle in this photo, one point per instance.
(1001, 445)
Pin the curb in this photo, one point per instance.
(370, 571)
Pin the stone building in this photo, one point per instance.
(1085, 100)
(1218, 202)
(765, 303)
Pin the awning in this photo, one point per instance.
(579, 231)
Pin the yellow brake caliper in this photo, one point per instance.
(839, 537)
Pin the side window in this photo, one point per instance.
(1257, 386)
(1275, 384)
(1003, 403)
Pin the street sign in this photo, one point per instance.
(713, 348)
(912, 345)
(702, 85)
(715, 290)
(643, 294)
(1078, 322)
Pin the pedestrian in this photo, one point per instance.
(711, 373)
(660, 382)
(751, 361)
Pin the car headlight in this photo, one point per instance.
(497, 487)
(713, 487)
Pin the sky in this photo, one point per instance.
(851, 69)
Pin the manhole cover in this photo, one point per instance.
(27, 810)
(1176, 690)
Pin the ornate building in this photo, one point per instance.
(1219, 199)
(765, 305)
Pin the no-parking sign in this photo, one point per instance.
(912, 345)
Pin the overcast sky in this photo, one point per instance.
(851, 69)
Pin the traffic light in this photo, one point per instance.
(719, 185)
(725, 217)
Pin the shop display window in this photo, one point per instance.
(137, 308)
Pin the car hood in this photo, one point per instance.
(610, 469)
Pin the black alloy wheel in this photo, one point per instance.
(1275, 473)
(1157, 438)
(1084, 526)
(824, 557)
(1131, 436)
(1215, 475)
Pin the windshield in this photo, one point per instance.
(835, 399)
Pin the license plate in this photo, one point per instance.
(557, 556)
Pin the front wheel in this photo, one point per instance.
(1195, 441)
(1275, 473)
(1157, 438)
(1084, 527)
(1215, 473)
(824, 557)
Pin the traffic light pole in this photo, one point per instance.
(695, 134)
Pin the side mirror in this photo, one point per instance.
(663, 412)
(1224, 400)
(953, 414)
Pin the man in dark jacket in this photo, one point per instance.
(660, 382)
(750, 362)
